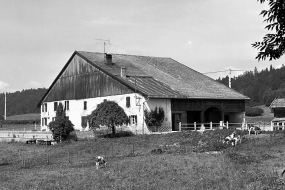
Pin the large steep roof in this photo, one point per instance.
(162, 77)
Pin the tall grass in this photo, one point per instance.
(131, 165)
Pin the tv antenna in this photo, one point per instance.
(104, 42)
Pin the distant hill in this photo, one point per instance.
(21, 102)
(262, 87)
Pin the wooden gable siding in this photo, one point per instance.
(202, 105)
(81, 80)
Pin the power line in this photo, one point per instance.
(223, 71)
(230, 70)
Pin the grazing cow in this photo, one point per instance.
(100, 161)
(228, 139)
(233, 138)
(255, 129)
(236, 140)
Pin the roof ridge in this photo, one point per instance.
(125, 54)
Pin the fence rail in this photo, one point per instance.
(265, 126)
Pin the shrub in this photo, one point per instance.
(253, 111)
(154, 117)
(108, 113)
(61, 127)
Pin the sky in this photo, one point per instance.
(37, 37)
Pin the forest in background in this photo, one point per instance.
(262, 87)
(21, 102)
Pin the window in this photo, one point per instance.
(44, 121)
(133, 120)
(85, 105)
(44, 107)
(66, 105)
(128, 103)
(55, 106)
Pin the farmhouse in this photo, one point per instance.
(278, 107)
(137, 83)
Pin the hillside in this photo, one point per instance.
(262, 87)
(21, 102)
(29, 116)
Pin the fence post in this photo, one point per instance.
(180, 126)
(195, 126)
(211, 125)
(271, 125)
(227, 125)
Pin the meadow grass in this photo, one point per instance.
(255, 164)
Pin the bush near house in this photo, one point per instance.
(154, 118)
(109, 114)
(61, 127)
(253, 111)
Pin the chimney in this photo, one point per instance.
(108, 58)
(123, 72)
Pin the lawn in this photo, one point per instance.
(133, 164)
(20, 127)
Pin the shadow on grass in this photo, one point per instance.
(117, 135)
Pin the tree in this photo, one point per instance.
(108, 113)
(154, 117)
(61, 127)
(273, 45)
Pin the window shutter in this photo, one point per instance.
(55, 106)
(85, 105)
(128, 103)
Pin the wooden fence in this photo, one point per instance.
(269, 126)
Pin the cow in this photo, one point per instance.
(233, 138)
(100, 161)
(236, 140)
(255, 129)
(228, 139)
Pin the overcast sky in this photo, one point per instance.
(39, 36)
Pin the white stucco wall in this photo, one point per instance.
(76, 110)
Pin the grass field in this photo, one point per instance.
(20, 127)
(255, 164)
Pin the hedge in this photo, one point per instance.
(253, 111)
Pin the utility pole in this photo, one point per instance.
(5, 107)
(230, 83)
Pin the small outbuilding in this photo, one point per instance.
(278, 107)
